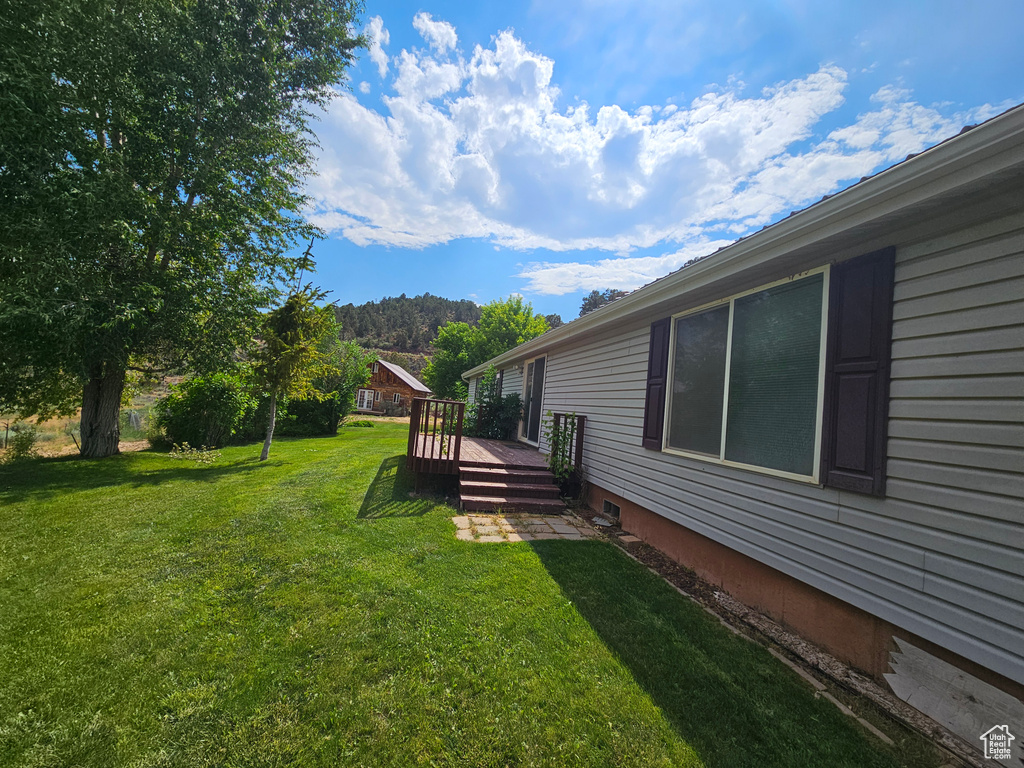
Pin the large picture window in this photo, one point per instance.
(746, 378)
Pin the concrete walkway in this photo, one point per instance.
(498, 528)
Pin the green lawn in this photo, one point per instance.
(307, 612)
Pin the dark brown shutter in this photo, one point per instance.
(657, 384)
(856, 409)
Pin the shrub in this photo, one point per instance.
(253, 424)
(21, 444)
(317, 417)
(198, 455)
(205, 410)
(494, 417)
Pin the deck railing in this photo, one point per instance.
(571, 428)
(435, 436)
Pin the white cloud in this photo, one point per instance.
(440, 35)
(364, 87)
(622, 273)
(378, 37)
(478, 146)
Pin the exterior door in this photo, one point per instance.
(364, 402)
(533, 400)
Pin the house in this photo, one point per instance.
(826, 418)
(390, 390)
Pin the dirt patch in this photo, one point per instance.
(385, 419)
(56, 451)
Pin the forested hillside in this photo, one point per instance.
(401, 323)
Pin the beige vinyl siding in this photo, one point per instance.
(942, 555)
(512, 383)
(471, 397)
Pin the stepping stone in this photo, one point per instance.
(464, 534)
(520, 537)
(491, 539)
(629, 539)
(488, 530)
(461, 522)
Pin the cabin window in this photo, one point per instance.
(747, 378)
(398, 398)
(376, 396)
(376, 367)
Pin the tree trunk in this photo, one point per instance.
(270, 426)
(101, 407)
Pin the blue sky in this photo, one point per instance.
(550, 148)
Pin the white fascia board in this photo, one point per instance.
(985, 150)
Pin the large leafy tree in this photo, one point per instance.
(454, 352)
(504, 324)
(596, 299)
(151, 157)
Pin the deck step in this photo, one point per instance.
(502, 475)
(511, 504)
(503, 489)
(524, 464)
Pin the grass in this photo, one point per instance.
(307, 611)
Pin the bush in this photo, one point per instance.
(198, 455)
(205, 410)
(21, 444)
(310, 417)
(494, 417)
(253, 424)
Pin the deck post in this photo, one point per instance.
(581, 423)
(414, 431)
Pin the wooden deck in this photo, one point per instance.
(477, 452)
(493, 474)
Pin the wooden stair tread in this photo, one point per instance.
(526, 464)
(506, 472)
(473, 502)
(543, 487)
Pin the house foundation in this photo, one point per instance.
(850, 634)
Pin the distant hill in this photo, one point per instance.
(402, 324)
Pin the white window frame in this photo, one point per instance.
(720, 459)
(398, 398)
(364, 400)
(376, 366)
(376, 396)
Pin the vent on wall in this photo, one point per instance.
(610, 509)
